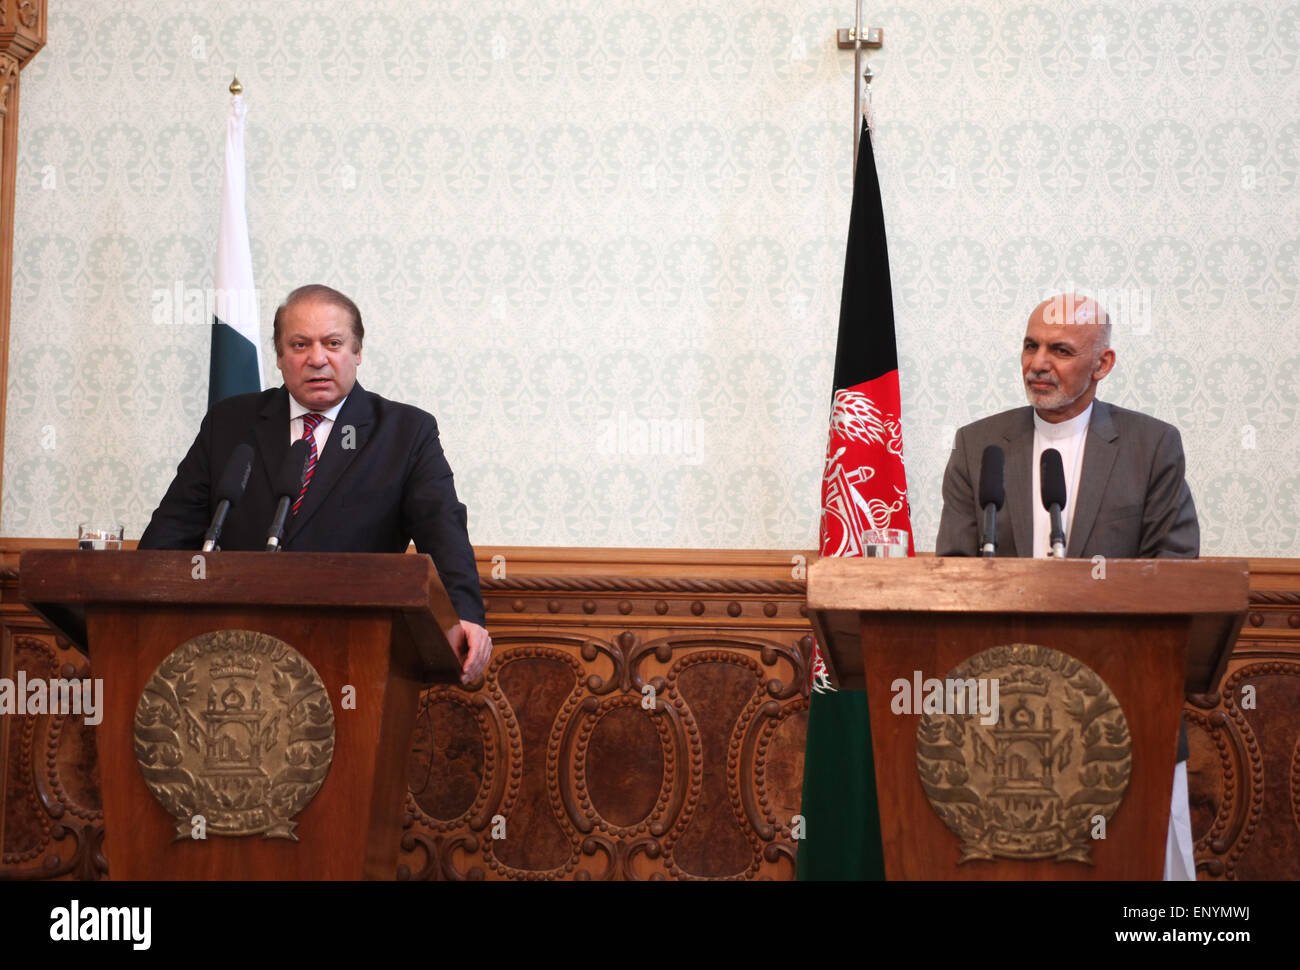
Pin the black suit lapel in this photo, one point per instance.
(1019, 481)
(348, 436)
(272, 433)
(1099, 451)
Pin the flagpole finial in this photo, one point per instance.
(236, 87)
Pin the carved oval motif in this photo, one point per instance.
(715, 844)
(536, 682)
(1295, 783)
(445, 769)
(625, 766)
(1214, 800)
(76, 764)
(783, 767)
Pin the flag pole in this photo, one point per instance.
(854, 38)
(235, 362)
(857, 86)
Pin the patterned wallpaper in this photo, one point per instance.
(602, 242)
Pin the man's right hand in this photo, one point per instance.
(473, 648)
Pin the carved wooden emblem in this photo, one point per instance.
(236, 727)
(1039, 782)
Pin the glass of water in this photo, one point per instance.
(99, 535)
(884, 543)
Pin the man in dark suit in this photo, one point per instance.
(1126, 492)
(379, 477)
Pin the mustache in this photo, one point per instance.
(1042, 378)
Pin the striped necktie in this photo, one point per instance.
(309, 422)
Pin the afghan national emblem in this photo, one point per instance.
(237, 727)
(863, 485)
(1032, 784)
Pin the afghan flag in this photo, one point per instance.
(235, 366)
(863, 487)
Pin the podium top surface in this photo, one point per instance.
(1014, 585)
(59, 584)
(326, 579)
(845, 593)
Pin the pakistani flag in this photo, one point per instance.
(863, 487)
(236, 363)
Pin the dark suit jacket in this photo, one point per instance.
(393, 486)
(1133, 501)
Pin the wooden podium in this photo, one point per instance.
(1066, 746)
(235, 727)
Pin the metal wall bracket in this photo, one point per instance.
(846, 37)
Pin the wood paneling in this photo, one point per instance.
(559, 755)
(1244, 771)
(643, 717)
(53, 819)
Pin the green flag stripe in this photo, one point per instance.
(232, 368)
(841, 818)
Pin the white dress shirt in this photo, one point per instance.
(322, 432)
(1069, 438)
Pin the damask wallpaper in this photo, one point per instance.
(603, 242)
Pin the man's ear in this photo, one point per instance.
(1104, 364)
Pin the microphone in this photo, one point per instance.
(1051, 480)
(992, 495)
(230, 489)
(287, 486)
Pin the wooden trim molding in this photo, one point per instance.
(22, 34)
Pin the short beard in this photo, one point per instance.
(1053, 400)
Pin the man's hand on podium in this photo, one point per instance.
(473, 647)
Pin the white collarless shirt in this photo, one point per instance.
(322, 432)
(1069, 438)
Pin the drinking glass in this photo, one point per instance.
(99, 535)
(884, 543)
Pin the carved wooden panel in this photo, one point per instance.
(563, 766)
(1244, 770)
(53, 823)
(628, 728)
(559, 753)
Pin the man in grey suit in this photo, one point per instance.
(1126, 492)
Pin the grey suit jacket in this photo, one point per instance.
(1133, 500)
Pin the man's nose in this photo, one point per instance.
(1040, 361)
(316, 356)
